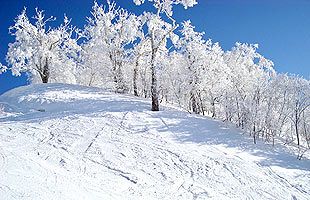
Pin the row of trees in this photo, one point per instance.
(151, 56)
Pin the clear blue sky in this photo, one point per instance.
(280, 27)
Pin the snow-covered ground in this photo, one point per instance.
(71, 142)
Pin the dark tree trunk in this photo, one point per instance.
(155, 102)
(114, 75)
(297, 132)
(154, 92)
(254, 134)
(44, 79)
(296, 122)
(46, 72)
(201, 104)
(194, 103)
(213, 108)
(135, 76)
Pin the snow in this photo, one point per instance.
(62, 141)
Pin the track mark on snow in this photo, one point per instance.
(2, 161)
(118, 172)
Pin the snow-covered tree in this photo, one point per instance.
(158, 31)
(177, 79)
(45, 53)
(129, 53)
(299, 95)
(193, 48)
(110, 32)
(250, 73)
(140, 60)
(215, 79)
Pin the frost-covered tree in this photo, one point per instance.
(305, 126)
(193, 48)
(109, 33)
(177, 79)
(129, 53)
(215, 79)
(250, 73)
(140, 60)
(45, 53)
(158, 31)
(299, 95)
(204, 69)
(277, 104)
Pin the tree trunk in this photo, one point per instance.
(254, 134)
(118, 74)
(155, 103)
(213, 108)
(44, 79)
(46, 72)
(296, 122)
(115, 79)
(154, 92)
(201, 104)
(194, 103)
(135, 76)
(297, 132)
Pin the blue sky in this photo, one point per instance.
(280, 27)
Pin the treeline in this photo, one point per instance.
(152, 56)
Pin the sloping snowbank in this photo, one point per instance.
(71, 142)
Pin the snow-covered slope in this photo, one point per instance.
(71, 142)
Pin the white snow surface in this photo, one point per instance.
(71, 142)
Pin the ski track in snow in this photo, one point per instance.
(90, 144)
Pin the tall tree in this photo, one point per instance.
(249, 74)
(299, 91)
(109, 33)
(158, 31)
(140, 57)
(193, 48)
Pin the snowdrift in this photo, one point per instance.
(62, 141)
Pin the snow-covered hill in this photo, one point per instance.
(71, 142)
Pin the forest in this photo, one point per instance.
(152, 56)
